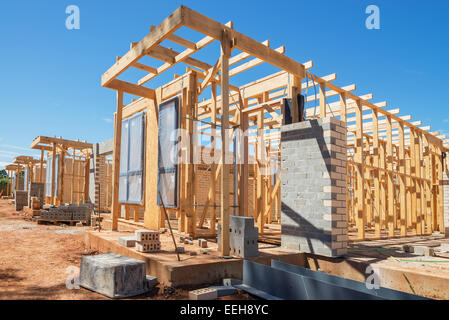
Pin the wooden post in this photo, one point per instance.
(390, 215)
(61, 176)
(413, 207)
(116, 161)
(72, 187)
(322, 96)
(428, 184)
(402, 188)
(213, 168)
(359, 165)
(261, 168)
(86, 177)
(244, 173)
(8, 183)
(293, 89)
(41, 173)
(224, 201)
(343, 105)
(440, 207)
(417, 182)
(377, 203)
(422, 195)
(53, 174)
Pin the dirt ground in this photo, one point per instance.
(36, 260)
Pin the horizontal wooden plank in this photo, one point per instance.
(132, 88)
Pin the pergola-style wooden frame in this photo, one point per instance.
(11, 168)
(259, 105)
(28, 163)
(80, 154)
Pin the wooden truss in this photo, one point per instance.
(73, 167)
(258, 108)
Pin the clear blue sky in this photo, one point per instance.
(50, 76)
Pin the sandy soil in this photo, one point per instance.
(36, 260)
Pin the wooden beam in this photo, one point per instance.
(224, 200)
(179, 40)
(161, 32)
(358, 158)
(210, 27)
(115, 211)
(131, 88)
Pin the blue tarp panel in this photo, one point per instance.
(167, 179)
(131, 159)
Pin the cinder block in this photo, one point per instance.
(243, 237)
(148, 246)
(202, 243)
(231, 282)
(129, 241)
(419, 250)
(444, 247)
(147, 235)
(224, 290)
(151, 281)
(203, 294)
(180, 249)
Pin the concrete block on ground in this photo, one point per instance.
(203, 294)
(202, 243)
(148, 246)
(79, 224)
(419, 250)
(129, 241)
(444, 247)
(146, 235)
(224, 290)
(231, 282)
(36, 189)
(21, 199)
(151, 281)
(243, 237)
(180, 249)
(113, 275)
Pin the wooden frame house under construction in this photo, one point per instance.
(394, 166)
(70, 184)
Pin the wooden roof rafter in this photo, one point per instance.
(25, 160)
(183, 16)
(42, 141)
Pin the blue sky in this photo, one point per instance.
(50, 76)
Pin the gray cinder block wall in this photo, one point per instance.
(99, 152)
(313, 189)
(20, 199)
(446, 202)
(36, 189)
